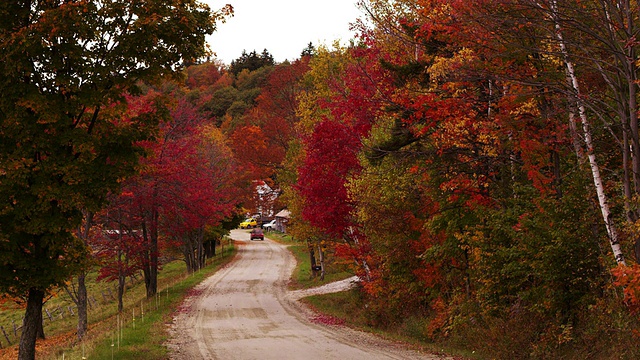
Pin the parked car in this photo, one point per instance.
(257, 234)
(248, 223)
(271, 225)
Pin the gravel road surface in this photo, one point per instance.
(244, 311)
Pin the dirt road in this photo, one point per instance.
(245, 312)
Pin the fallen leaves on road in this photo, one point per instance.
(186, 305)
(327, 320)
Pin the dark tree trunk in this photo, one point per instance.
(187, 252)
(150, 268)
(312, 259)
(121, 280)
(321, 254)
(152, 288)
(32, 325)
(79, 296)
(200, 248)
(145, 267)
(557, 174)
(121, 283)
(82, 306)
(210, 249)
(41, 330)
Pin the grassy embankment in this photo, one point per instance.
(301, 277)
(348, 307)
(600, 341)
(142, 330)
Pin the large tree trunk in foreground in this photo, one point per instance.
(82, 306)
(31, 326)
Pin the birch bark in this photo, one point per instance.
(586, 137)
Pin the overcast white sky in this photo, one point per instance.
(283, 27)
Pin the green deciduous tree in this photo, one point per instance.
(65, 67)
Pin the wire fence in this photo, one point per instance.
(10, 332)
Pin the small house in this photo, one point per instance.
(282, 218)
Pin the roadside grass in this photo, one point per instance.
(302, 277)
(142, 329)
(349, 308)
(144, 338)
(345, 305)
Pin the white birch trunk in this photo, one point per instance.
(586, 137)
(360, 262)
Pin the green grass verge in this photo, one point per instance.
(302, 277)
(349, 308)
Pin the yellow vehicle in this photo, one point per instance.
(249, 223)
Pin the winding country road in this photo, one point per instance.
(245, 312)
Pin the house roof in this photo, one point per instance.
(284, 214)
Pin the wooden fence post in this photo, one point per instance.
(49, 315)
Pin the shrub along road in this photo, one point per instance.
(244, 311)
